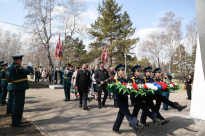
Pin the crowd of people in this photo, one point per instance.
(82, 81)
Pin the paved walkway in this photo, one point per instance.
(52, 116)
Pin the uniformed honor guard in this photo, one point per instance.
(139, 104)
(121, 101)
(19, 85)
(9, 88)
(166, 94)
(1, 62)
(3, 83)
(148, 99)
(67, 82)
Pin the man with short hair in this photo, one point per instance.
(101, 77)
(83, 83)
(19, 85)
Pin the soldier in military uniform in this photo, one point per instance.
(19, 85)
(149, 98)
(139, 104)
(1, 62)
(67, 82)
(9, 88)
(121, 101)
(3, 83)
(159, 98)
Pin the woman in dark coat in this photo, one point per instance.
(83, 83)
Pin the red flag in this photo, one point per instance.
(104, 56)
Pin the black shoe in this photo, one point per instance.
(103, 105)
(138, 128)
(156, 121)
(144, 124)
(80, 106)
(116, 131)
(85, 108)
(164, 121)
(20, 125)
(180, 108)
(99, 106)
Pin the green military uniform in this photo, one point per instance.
(67, 83)
(0, 77)
(19, 84)
(9, 88)
(3, 84)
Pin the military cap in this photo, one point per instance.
(1, 61)
(157, 70)
(136, 67)
(17, 56)
(149, 68)
(120, 66)
(169, 74)
(4, 64)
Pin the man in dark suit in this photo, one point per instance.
(83, 83)
(101, 77)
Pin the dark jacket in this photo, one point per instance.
(19, 76)
(83, 81)
(120, 101)
(157, 79)
(101, 75)
(137, 80)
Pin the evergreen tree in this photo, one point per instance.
(74, 52)
(113, 27)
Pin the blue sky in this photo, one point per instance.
(144, 14)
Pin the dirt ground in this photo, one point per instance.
(5, 120)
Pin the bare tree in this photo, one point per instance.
(192, 35)
(153, 46)
(10, 45)
(40, 18)
(171, 24)
(72, 19)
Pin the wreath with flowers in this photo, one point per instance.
(142, 89)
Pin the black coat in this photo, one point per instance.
(101, 75)
(83, 81)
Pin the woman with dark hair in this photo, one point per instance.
(188, 86)
(168, 76)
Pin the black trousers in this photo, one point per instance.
(122, 102)
(10, 102)
(139, 104)
(188, 88)
(18, 106)
(104, 98)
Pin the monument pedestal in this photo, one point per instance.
(56, 87)
(198, 96)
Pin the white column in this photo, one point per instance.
(198, 94)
